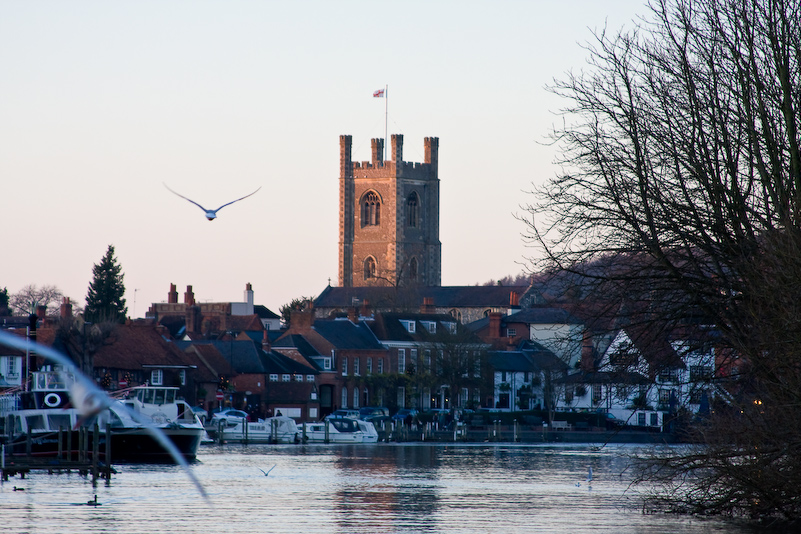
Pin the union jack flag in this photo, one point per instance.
(379, 93)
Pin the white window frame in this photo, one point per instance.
(286, 377)
(401, 397)
(298, 378)
(401, 361)
(356, 397)
(156, 377)
(380, 365)
(369, 366)
(356, 366)
(344, 366)
(273, 377)
(344, 398)
(411, 326)
(182, 376)
(309, 378)
(327, 364)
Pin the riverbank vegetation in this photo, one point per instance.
(679, 206)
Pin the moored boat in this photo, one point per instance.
(334, 430)
(43, 422)
(279, 429)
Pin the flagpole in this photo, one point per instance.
(386, 114)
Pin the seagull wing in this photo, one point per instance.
(94, 399)
(188, 199)
(237, 200)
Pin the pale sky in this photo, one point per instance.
(101, 102)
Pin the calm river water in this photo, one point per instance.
(353, 489)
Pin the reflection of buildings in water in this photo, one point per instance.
(389, 486)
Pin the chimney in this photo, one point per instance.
(192, 319)
(66, 308)
(249, 298)
(428, 305)
(301, 320)
(365, 311)
(172, 296)
(495, 325)
(353, 316)
(265, 342)
(189, 296)
(514, 299)
(41, 312)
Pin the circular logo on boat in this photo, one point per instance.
(52, 400)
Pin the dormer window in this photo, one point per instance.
(431, 326)
(410, 326)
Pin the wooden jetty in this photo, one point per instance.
(86, 459)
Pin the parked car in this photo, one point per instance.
(201, 412)
(403, 413)
(348, 414)
(228, 416)
(372, 411)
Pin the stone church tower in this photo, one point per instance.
(389, 217)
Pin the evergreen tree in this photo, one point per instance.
(104, 301)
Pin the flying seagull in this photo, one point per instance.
(89, 400)
(210, 214)
(266, 473)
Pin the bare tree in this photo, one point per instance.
(27, 299)
(680, 202)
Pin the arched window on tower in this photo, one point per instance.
(412, 210)
(413, 270)
(369, 268)
(371, 209)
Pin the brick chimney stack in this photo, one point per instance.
(66, 308)
(41, 311)
(265, 342)
(587, 353)
(172, 296)
(189, 296)
(495, 325)
(428, 305)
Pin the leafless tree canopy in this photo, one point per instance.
(26, 300)
(681, 191)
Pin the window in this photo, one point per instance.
(413, 269)
(654, 419)
(596, 392)
(369, 268)
(431, 326)
(401, 397)
(413, 356)
(427, 360)
(371, 209)
(344, 367)
(309, 378)
(664, 397)
(401, 361)
(380, 365)
(182, 376)
(412, 210)
(286, 378)
(356, 366)
(273, 378)
(12, 366)
(344, 398)
(669, 375)
(327, 364)
(641, 419)
(298, 378)
(369, 366)
(366, 398)
(456, 314)
(356, 397)
(511, 332)
(410, 326)
(156, 377)
(700, 372)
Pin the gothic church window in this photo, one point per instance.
(369, 268)
(413, 269)
(371, 209)
(412, 213)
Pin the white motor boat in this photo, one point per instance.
(334, 430)
(369, 433)
(279, 429)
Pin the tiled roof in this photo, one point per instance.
(344, 334)
(243, 356)
(541, 315)
(442, 297)
(265, 313)
(390, 327)
(299, 343)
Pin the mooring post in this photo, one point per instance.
(108, 453)
(95, 452)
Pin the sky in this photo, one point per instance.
(101, 103)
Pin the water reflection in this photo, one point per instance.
(355, 489)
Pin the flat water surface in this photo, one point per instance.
(378, 488)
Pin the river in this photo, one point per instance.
(382, 488)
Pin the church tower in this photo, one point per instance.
(389, 217)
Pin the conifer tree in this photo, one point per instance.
(104, 301)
